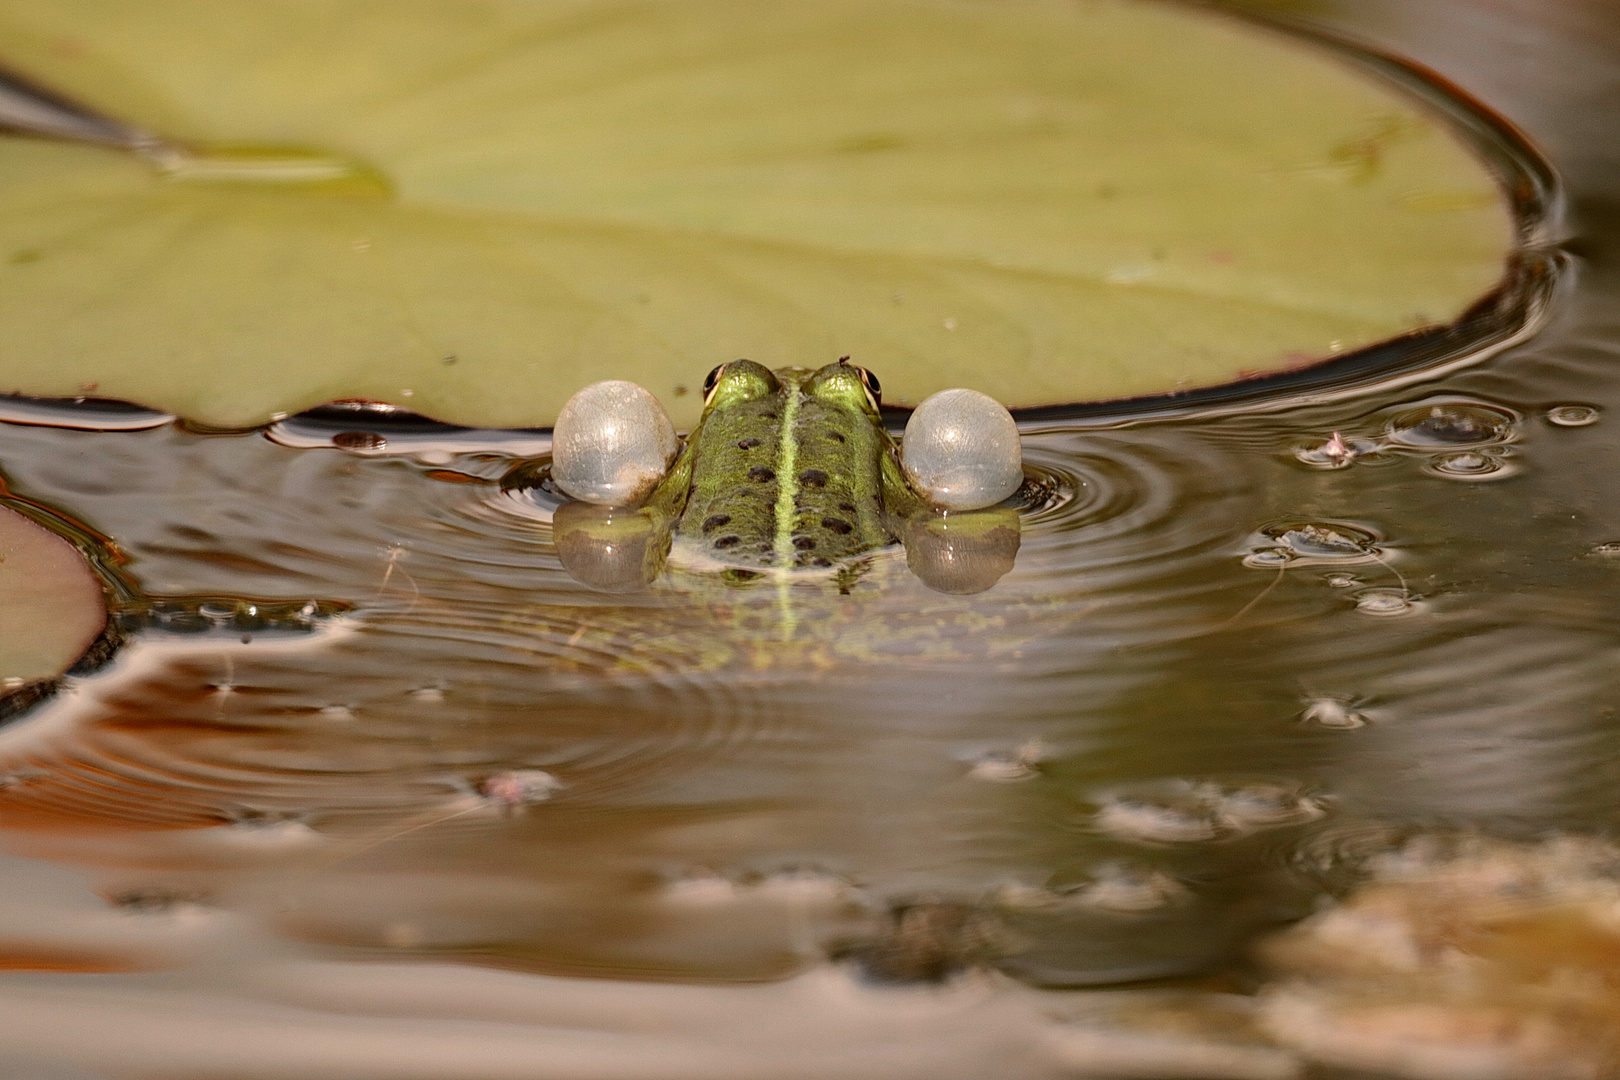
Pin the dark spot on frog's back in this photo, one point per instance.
(714, 521)
(727, 542)
(747, 444)
(835, 436)
(813, 478)
(804, 543)
(837, 525)
(759, 474)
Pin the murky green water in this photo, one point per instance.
(466, 817)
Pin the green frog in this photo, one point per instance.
(787, 470)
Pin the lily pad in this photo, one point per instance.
(51, 603)
(502, 200)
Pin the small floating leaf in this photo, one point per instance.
(51, 603)
(503, 201)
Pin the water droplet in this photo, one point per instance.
(1452, 424)
(1384, 602)
(1467, 466)
(337, 712)
(1341, 581)
(358, 440)
(428, 693)
(1572, 415)
(1332, 713)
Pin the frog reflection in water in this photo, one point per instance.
(792, 470)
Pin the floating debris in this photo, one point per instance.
(1468, 466)
(1336, 452)
(1332, 713)
(1384, 602)
(1452, 424)
(1311, 543)
(1184, 811)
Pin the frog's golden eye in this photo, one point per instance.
(873, 387)
(713, 377)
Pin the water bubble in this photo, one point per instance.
(1332, 713)
(1572, 415)
(358, 440)
(1468, 466)
(1610, 550)
(217, 610)
(337, 712)
(1452, 424)
(428, 693)
(1384, 602)
(961, 449)
(1340, 581)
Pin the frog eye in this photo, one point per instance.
(712, 378)
(611, 444)
(873, 387)
(961, 450)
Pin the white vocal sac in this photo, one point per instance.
(961, 450)
(612, 444)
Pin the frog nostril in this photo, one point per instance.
(835, 436)
(837, 525)
(804, 543)
(813, 478)
(727, 542)
(761, 475)
(712, 523)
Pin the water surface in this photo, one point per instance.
(436, 809)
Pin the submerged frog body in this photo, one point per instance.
(790, 468)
